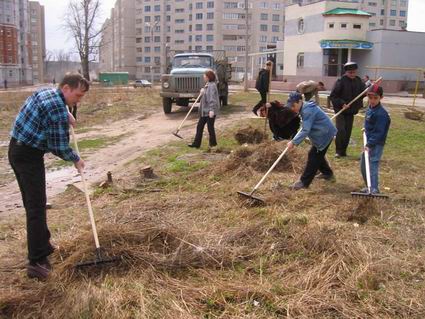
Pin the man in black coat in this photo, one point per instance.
(284, 123)
(344, 91)
(262, 85)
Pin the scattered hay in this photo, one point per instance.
(250, 135)
(414, 114)
(363, 210)
(261, 157)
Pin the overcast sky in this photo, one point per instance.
(55, 10)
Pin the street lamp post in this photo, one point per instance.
(151, 27)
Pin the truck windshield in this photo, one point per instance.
(192, 62)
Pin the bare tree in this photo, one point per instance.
(82, 23)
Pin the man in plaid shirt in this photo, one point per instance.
(42, 126)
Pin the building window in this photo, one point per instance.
(157, 39)
(198, 27)
(301, 26)
(147, 59)
(210, 27)
(198, 48)
(402, 24)
(357, 26)
(157, 49)
(147, 49)
(139, 59)
(147, 19)
(264, 16)
(210, 4)
(209, 48)
(147, 69)
(275, 39)
(331, 25)
(373, 24)
(147, 8)
(392, 23)
(300, 60)
(276, 17)
(393, 13)
(381, 22)
(199, 5)
(199, 16)
(210, 37)
(394, 3)
(263, 27)
(372, 4)
(402, 13)
(263, 5)
(147, 40)
(263, 38)
(275, 28)
(403, 3)
(179, 20)
(139, 40)
(382, 12)
(343, 25)
(198, 37)
(210, 15)
(230, 5)
(180, 10)
(157, 8)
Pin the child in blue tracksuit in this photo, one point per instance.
(377, 124)
(319, 128)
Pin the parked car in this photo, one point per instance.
(142, 84)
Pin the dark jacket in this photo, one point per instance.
(344, 91)
(263, 81)
(316, 125)
(283, 122)
(377, 124)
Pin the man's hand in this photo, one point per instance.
(345, 106)
(290, 145)
(211, 114)
(202, 91)
(71, 119)
(366, 149)
(79, 165)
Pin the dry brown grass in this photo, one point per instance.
(191, 250)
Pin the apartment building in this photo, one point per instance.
(38, 41)
(161, 26)
(385, 14)
(106, 62)
(15, 43)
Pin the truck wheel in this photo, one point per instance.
(224, 100)
(167, 104)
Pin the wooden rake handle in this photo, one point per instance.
(86, 193)
(190, 110)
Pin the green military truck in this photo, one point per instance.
(185, 77)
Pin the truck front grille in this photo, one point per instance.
(188, 84)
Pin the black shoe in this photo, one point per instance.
(39, 270)
(255, 112)
(330, 177)
(194, 146)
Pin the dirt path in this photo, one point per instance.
(141, 135)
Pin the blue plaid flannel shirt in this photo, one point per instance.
(42, 123)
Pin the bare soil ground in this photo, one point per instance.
(191, 248)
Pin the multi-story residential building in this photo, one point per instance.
(385, 14)
(161, 26)
(205, 25)
(106, 62)
(15, 42)
(38, 41)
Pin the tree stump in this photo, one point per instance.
(147, 172)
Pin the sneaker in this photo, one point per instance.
(39, 270)
(297, 186)
(326, 177)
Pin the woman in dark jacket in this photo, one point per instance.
(208, 110)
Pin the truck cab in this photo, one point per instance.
(184, 80)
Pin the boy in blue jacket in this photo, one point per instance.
(377, 124)
(319, 128)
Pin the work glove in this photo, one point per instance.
(211, 114)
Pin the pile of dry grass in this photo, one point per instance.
(262, 156)
(250, 135)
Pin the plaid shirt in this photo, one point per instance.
(42, 123)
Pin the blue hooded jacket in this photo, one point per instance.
(377, 124)
(316, 125)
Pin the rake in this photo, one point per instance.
(368, 194)
(176, 133)
(250, 195)
(100, 258)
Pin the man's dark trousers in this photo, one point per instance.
(200, 130)
(316, 162)
(344, 125)
(28, 165)
(262, 102)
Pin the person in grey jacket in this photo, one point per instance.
(319, 128)
(208, 110)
